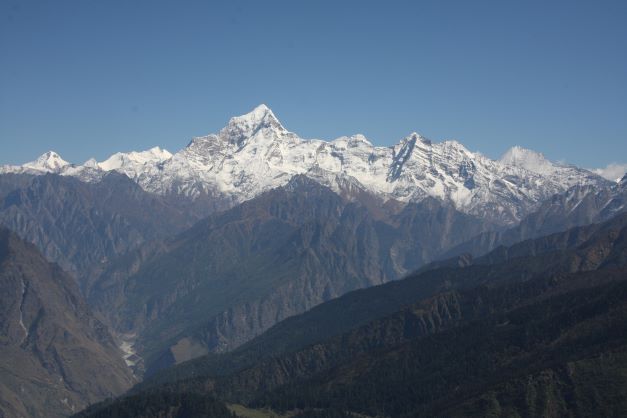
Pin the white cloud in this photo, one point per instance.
(613, 171)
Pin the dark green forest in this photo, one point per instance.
(160, 404)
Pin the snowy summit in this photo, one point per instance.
(254, 153)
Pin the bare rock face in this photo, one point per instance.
(55, 356)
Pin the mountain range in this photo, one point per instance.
(259, 268)
(254, 153)
(240, 271)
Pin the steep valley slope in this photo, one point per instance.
(55, 356)
(535, 329)
(237, 273)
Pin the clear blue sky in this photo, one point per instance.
(91, 77)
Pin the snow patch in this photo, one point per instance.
(121, 160)
(21, 307)
(127, 346)
(50, 162)
(529, 160)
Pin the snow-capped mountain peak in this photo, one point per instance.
(351, 141)
(91, 163)
(254, 153)
(259, 123)
(417, 137)
(120, 160)
(536, 162)
(49, 162)
(528, 159)
(258, 115)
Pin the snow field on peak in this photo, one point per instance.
(254, 153)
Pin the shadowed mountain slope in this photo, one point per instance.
(538, 329)
(55, 356)
(82, 225)
(596, 247)
(237, 273)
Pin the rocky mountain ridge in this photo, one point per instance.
(254, 153)
(82, 225)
